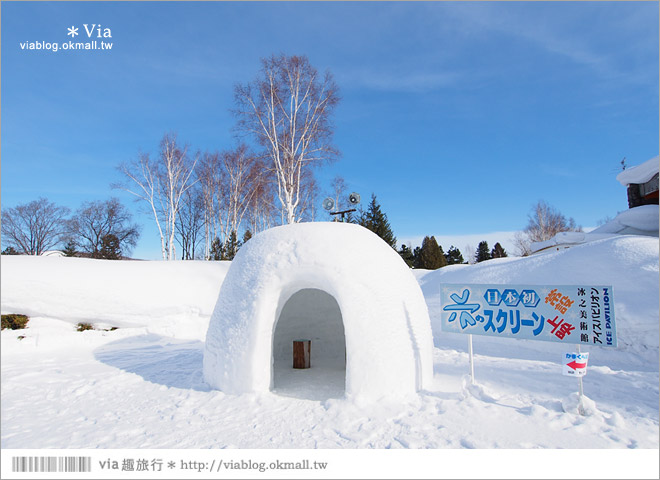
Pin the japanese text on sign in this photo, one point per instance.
(575, 364)
(572, 314)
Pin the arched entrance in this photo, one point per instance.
(315, 315)
(308, 280)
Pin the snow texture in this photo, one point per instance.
(640, 173)
(642, 220)
(113, 293)
(333, 283)
(141, 386)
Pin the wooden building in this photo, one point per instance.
(642, 183)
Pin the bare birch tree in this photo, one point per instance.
(522, 244)
(287, 110)
(209, 177)
(161, 184)
(262, 210)
(144, 184)
(543, 222)
(235, 192)
(242, 171)
(338, 193)
(309, 196)
(176, 173)
(190, 221)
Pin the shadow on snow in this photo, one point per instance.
(157, 359)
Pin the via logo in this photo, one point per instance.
(91, 30)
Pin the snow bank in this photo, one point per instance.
(118, 293)
(385, 321)
(628, 263)
(642, 220)
(143, 387)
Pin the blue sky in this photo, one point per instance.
(457, 115)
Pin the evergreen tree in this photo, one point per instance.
(247, 236)
(375, 220)
(407, 255)
(416, 252)
(483, 253)
(454, 256)
(110, 248)
(231, 246)
(443, 257)
(217, 250)
(498, 251)
(70, 249)
(10, 251)
(430, 256)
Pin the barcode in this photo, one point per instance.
(51, 464)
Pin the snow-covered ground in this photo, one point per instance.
(141, 385)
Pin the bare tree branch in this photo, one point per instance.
(287, 110)
(94, 221)
(34, 227)
(161, 184)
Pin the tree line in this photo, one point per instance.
(430, 254)
(104, 229)
(98, 229)
(543, 223)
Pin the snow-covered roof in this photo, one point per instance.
(566, 239)
(640, 173)
(52, 253)
(382, 317)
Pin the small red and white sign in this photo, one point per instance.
(575, 364)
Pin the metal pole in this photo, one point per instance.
(580, 406)
(472, 359)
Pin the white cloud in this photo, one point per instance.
(565, 30)
(400, 81)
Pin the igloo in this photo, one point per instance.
(338, 285)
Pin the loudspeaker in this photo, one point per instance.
(354, 198)
(328, 204)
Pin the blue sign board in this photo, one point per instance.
(572, 314)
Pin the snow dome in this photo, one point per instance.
(338, 285)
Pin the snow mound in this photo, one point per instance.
(336, 284)
(174, 295)
(642, 220)
(469, 389)
(629, 263)
(579, 405)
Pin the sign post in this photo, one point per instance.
(568, 314)
(580, 405)
(471, 359)
(575, 365)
